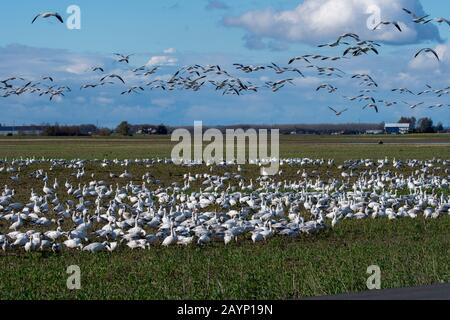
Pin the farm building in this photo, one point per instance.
(397, 128)
(25, 130)
(374, 131)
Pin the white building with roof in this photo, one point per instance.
(397, 128)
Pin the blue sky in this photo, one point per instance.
(209, 32)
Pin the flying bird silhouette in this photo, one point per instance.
(112, 76)
(123, 58)
(337, 113)
(413, 105)
(427, 50)
(46, 15)
(395, 23)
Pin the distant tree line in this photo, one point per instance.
(126, 129)
(312, 129)
(123, 129)
(69, 131)
(423, 125)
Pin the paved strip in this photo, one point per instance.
(435, 292)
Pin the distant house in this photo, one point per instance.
(374, 131)
(147, 131)
(23, 130)
(397, 128)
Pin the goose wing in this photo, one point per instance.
(36, 18)
(120, 78)
(58, 16)
(435, 53)
(427, 50)
(332, 110)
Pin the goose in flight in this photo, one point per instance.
(384, 23)
(276, 68)
(374, 106)
(150, 72)
(429, 90)
(132, 90)
(339, 39)
(85, 86)
(7, 85)
(48, 15)
(299, 58)
(388, 103)
(327, 86)
(338, 113)
(365, 78)
(136, 70)
(367, 98)
(441, 20)
(333, 58)
(359, 50)
(427, 50)
(424, 20)
(248, 69)
(403, 90)
(413, 106)
(417, 19)
(439, 105)
(94, 69)
(112, 76)
(123, 58)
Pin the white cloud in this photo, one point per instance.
(104, 101)
(316, 21)
(162, 102)
(162, 60)
(299, 103)
(170, 51)
(216, 5)
(78, 66)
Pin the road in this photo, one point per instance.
(435, 292)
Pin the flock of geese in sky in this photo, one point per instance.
(55, 205)
(195, 77)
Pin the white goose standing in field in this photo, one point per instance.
(153, 213)
(18, 224)
(73, 243)
(96, 247)
(171, 239)
(47, 190)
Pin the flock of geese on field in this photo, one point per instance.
(221, 203)
(195, 77)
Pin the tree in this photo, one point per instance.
(162, 130)
(123, 129)
(104, 132)
(439, 127)
(412, 122)
(425, 125)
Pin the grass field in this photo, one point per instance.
(409, 252)
(339, 148)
